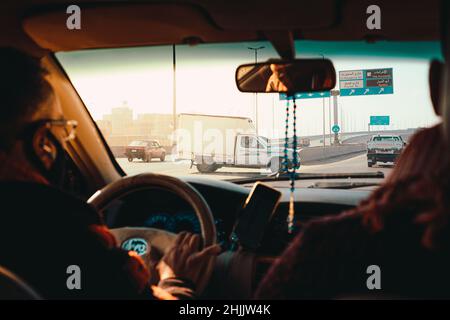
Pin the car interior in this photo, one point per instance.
(155, 200)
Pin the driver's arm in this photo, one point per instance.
(125, 274)
(111, 272)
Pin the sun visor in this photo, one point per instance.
(124, 25)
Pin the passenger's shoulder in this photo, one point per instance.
(29, 198)
(38, 192)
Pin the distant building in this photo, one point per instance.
(121, 121)
(119, 128)
(157, 126)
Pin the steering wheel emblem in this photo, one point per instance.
(137, 245)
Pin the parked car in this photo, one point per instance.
(145, 150)
(384, 148)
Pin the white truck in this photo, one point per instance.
(212, 142)
(384, 148)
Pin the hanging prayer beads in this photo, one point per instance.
(291, 167)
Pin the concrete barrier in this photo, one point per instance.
(307, 155)
(315, 154)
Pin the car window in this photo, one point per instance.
(386, 139)
(253, 143)
(245, 142)
(195, 111)
(259, 145)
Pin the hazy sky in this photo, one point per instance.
(142, 77)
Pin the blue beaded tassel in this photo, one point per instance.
(286, 140)
(295, 161)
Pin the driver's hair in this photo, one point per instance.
(23, 90)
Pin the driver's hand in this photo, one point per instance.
(185, 260)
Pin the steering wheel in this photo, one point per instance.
(145, 241)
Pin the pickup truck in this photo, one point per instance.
(384, 148)
(249, 151)
(212, 142)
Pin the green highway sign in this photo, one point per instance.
(379, 120)
(366, 82)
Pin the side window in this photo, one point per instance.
(245, 143)
(260, 145)
(252, 142)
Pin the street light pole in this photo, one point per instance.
(323, 122)
(255, 49)
(323, 111)
(335, 94)
(174, 106)
(329, 118)
(273, 117)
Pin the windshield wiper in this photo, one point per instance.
(307, 176)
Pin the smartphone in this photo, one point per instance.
(255, 215)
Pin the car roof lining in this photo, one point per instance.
(125, 25)
(39, 25)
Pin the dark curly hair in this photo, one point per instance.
(23, 88)
(419, 185)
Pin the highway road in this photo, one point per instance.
(353, 164)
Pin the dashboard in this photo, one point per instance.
(162, 209)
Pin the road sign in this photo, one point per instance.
(311, 95)
(379, 120)
(335, 128)
(366, 82)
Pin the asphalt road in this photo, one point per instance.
(352, 164)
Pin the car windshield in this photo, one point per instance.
(186, 98)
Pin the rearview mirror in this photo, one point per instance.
(296, 76)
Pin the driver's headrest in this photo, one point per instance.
(435, 81)
(444, 97)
